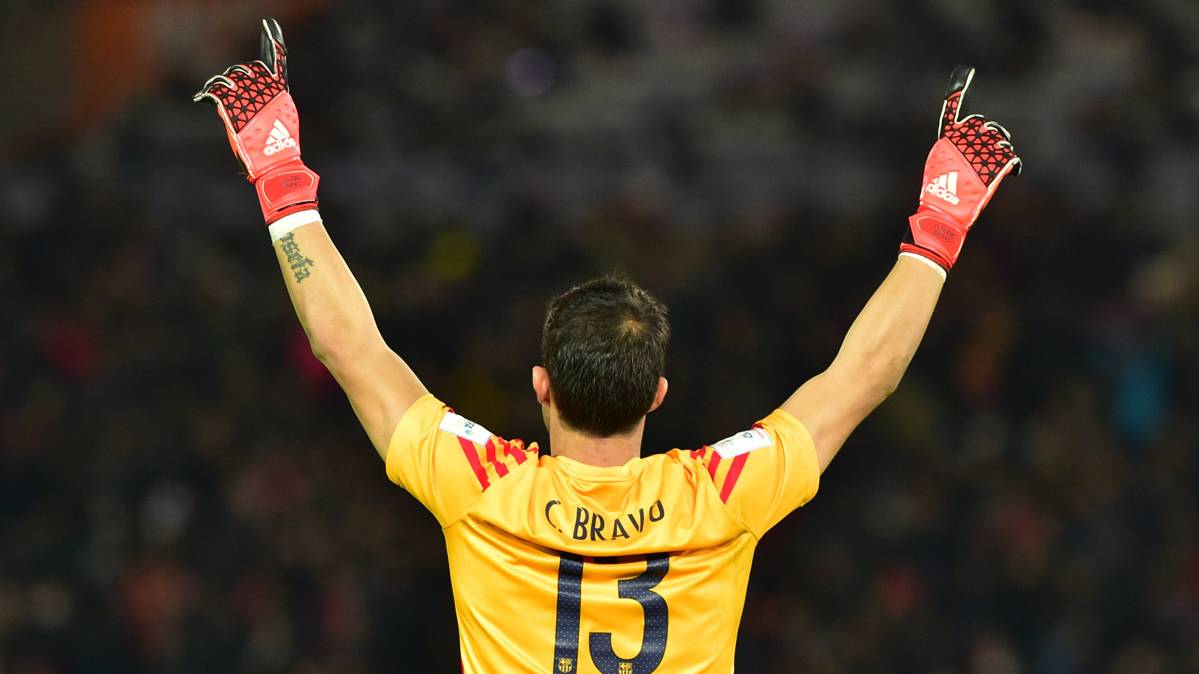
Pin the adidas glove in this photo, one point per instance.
(971, 157)
(264, 128)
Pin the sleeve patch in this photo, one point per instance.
(465, 428)
(743, 443)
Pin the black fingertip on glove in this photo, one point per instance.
(959, 80)
(271, 34)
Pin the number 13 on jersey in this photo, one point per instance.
(599, 644)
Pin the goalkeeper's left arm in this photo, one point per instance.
(970, 158)
(253, 101)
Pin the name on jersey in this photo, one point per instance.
(585, 525)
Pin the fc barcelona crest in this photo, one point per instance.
(566, 665)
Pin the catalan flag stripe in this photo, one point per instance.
(472, 457)
(713, 463)
(500, 468)
(517, 453)
(730, 479)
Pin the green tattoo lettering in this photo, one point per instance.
(301, 266)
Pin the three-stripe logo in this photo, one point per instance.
(278, 139)
(945, 187)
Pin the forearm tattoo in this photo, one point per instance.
(301, 266)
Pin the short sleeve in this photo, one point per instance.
(764, 473)
(446, 460)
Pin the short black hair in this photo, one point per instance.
(604, 347)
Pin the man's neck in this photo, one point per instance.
(616, 450)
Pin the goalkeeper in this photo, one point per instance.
(590, 558)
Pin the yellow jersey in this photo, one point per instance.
(560, 566)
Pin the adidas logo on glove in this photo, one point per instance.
(280, 139)
(945, 187)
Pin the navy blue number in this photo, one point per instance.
(639, 589)
(657, 619)
(566, 631)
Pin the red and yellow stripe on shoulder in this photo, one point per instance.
(726, 459)
(490, 456)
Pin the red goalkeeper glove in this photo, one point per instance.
(263, 127)
(971, 157)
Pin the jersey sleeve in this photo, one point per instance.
(446, 460)
(764, 473)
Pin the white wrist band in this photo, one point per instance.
(289, 223)
(931, 265)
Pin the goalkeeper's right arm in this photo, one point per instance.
(342, 331)
(264, 131)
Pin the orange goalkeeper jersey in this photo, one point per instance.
(560, 566)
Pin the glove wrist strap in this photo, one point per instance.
(285, 189)
(936, 236)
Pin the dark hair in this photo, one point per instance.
(604, 346)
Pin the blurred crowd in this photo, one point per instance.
(184, 489)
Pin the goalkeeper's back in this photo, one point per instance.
(561, 566)
(649, 560)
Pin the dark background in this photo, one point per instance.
(183, 489)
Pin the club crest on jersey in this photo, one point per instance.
(566, 665)
(279, 139)
(743, 443)
(465, 428)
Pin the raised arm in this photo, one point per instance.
(263, 127)
(968, 161)
(343, 334)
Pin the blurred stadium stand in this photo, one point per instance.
(183, 489)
